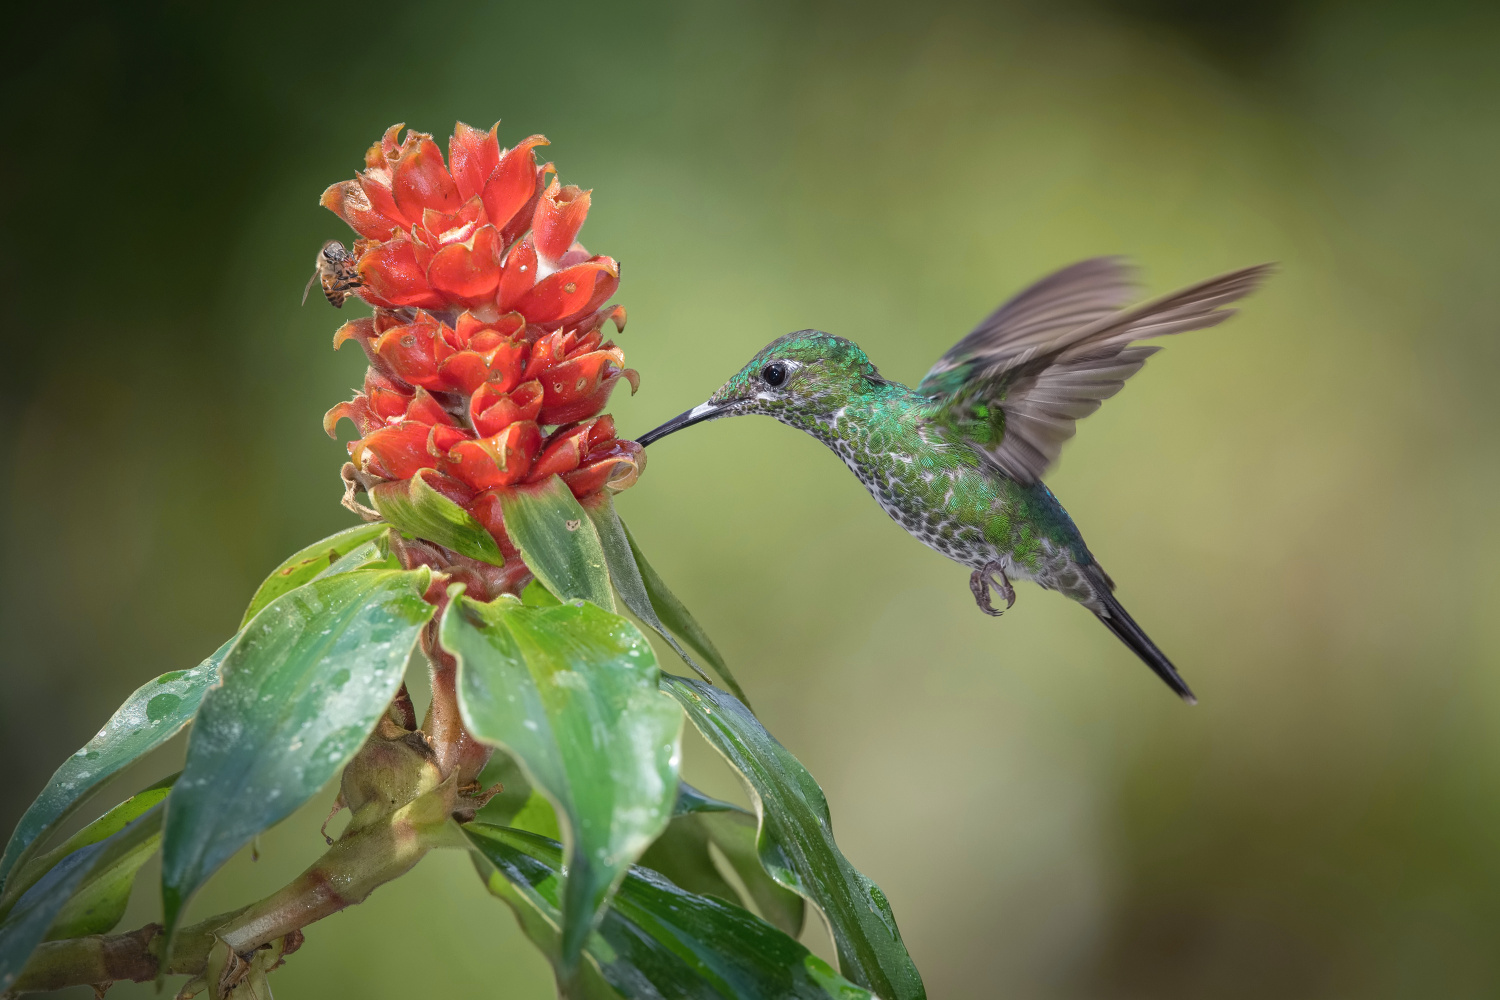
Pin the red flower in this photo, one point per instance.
(488, 361)
(445, 241)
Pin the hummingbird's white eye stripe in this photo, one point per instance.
(702, 409)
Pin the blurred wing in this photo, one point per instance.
(1046, 383)
(1066, 300)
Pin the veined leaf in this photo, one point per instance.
(796, 843)
(107, 825)
(417, 509)
(557, 540)
(675, 616)
(153, 714)
(656, 940)
(302, 566)
(35, 911)
(570, 692)
(301, 691)
(682, 854)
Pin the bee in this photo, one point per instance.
(335, 269)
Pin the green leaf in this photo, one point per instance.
(418, 510)
(301, 691)
(153, 714)
(796, 843)
(107, 825)
(310, 562)
(557, 540)
(682, 854)
(656, 940)
(99, 902)
(678, 618)
(37, 909)
(571, 693)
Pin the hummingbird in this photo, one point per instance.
(958, 461)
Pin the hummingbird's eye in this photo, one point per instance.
(774, 374)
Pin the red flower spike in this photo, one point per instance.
(392, 277)
(570, 292)
(558, 218)
(513, 182)
(464, 273)
(472, 157)
(518, 275)
(421, 181)
(463, 327)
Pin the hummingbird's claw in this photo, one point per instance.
(980, 581)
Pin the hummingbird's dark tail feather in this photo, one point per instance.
(1118, 621)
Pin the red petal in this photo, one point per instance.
(579, 387)
(358, 411)
(512, 183)
(546, 352)
(561, 454)
(375, 185)
(441, 438)
(602, 430)
(348, 201)
(393, 452)
(558, 217)
(494, 411)
(499, 460)
(392, 277)
(424, 409)
(464, 371)
(470, 275)
(410, 351)
(421, 181)
(472, 157)
(616, 464)
(571, 291)
(517, 275)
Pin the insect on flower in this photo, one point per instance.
(336, 269)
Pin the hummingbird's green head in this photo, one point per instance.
(797, 379)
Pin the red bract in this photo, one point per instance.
(488, 361)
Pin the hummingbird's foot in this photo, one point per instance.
(980, 581)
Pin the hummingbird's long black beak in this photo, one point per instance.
(698, 414)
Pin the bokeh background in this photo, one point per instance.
(1298, 505)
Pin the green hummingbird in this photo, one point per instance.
(958, 460)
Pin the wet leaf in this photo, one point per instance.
(675, 616)
(682, 854)
(796, 845)
(153, 714)
(301, 690)
(418, 510)
(26, 925)
(302, 566)
(107, 825)
(656, 940)
(557, 540)
(570, 692)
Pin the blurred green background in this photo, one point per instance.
(1298, 505)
